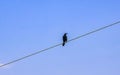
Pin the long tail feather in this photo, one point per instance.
(63, 44)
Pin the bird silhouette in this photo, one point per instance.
(64, 39)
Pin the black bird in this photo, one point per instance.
(64, 39)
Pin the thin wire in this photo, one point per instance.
(59, 44)
(99, 29)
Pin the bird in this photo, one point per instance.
(64, 39)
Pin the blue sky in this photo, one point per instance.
(27, 26)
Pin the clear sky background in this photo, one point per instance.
(27, 26)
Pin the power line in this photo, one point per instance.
(59, 44)
(95, 30)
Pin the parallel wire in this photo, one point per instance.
(59, 44)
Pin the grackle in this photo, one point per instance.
(64, 39)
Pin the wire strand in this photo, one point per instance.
(24, 57)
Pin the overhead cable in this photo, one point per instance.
(40, 51)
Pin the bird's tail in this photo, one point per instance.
(63, 44)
